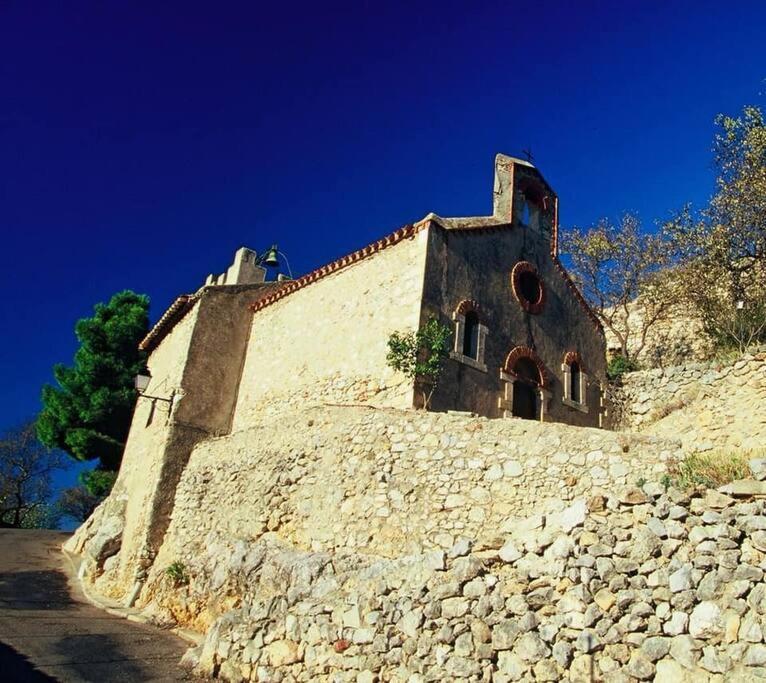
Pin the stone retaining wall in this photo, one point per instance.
(391, 483)
(705, 405)
(642, 585)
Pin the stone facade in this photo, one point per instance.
(323, 338)
(705, 405)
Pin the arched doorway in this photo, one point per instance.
(525, 385)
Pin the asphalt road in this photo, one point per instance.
(48, 632)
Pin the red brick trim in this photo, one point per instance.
(574, 357)
(526, 352)
(518, 270)
(468, 305)
(403, 233)
(177, 310)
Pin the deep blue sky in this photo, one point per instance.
(141, 144)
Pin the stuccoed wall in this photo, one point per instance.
(142, 460)
(391, 482)
(677, 340)
(707, 406)
(328, 341)
(198, 363)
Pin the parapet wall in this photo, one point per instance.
(705, 405)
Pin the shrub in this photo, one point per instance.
(713, 469)
(420, 355)
(618, 366)
(176, 572)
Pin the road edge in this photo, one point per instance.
(115, 609)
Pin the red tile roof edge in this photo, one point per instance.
(177, 310)
(395, 237)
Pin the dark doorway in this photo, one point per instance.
(525, 389)
(524, 400)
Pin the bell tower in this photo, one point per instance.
(524, 199)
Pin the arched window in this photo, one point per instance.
(575, 382)
(471, 335)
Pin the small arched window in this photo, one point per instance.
(574, 380)
(471, 335)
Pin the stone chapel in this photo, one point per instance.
(525, 343)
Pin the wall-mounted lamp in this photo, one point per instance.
(141, 382)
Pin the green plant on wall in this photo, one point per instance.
(176, 572)
(420, 355)
(618, 366)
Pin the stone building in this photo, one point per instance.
(240, 349)
(524, 341)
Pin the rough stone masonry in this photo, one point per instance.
(650, 584)
(358, 544)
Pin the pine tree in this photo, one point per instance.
(88, 414)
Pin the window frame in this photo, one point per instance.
(458, 316)
(570, 358)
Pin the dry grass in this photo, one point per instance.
(677, 404)
(714, 469)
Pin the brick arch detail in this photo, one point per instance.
(526, 352)
(574, 357)
(471, 305)
(526, 267)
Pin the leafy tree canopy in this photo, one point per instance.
(88, 414)
(26, 468)
(724, 244)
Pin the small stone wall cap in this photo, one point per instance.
(717, 500)
(758, 468)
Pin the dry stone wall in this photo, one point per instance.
(707, 406)
(394, 482)
(644, 584)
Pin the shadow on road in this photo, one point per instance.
(16, 668)
(41, 589)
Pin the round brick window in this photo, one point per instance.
(528, 287)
